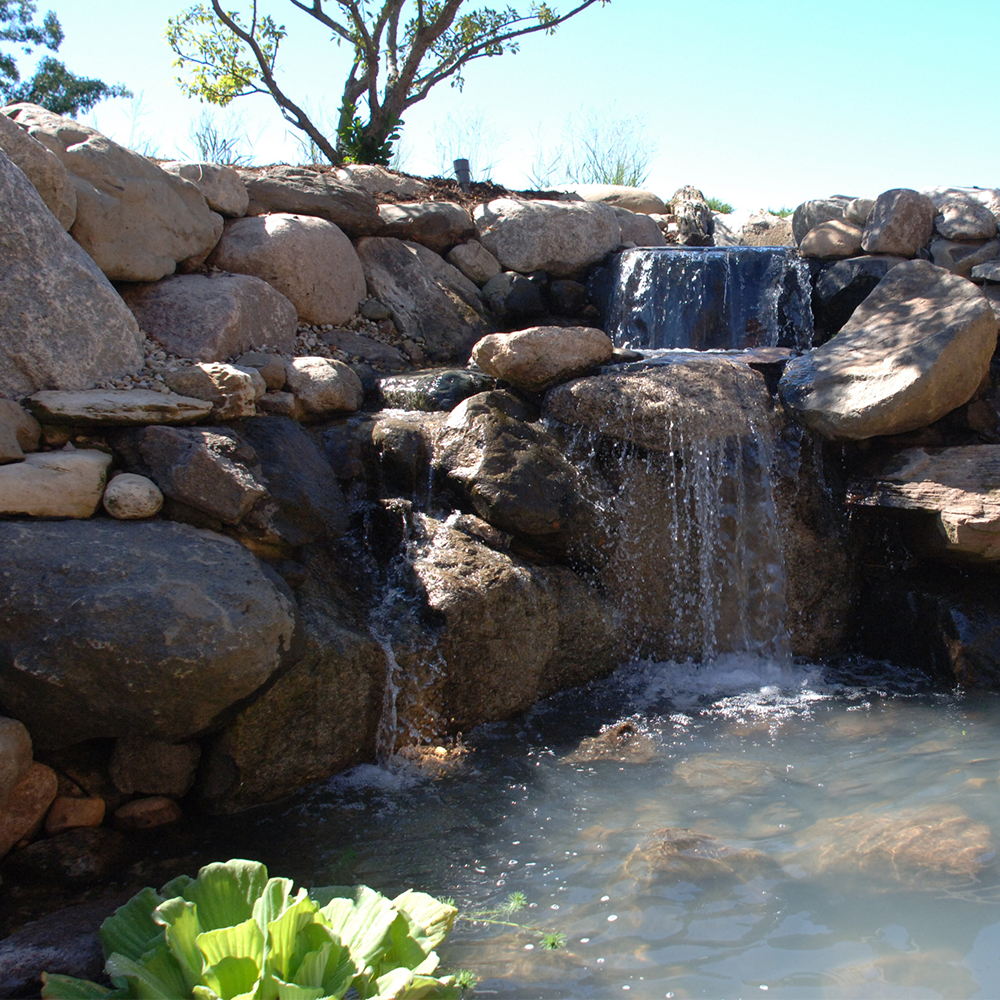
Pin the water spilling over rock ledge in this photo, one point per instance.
(335, 550)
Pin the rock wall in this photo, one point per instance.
(250, 541)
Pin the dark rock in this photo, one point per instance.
(569, 298)
(513, 472)
(403, 444)
(77, 857)
(305, 191)
(437, 389)
(208, 468)
(347, 445)
(372, 351)
(323, 713)
(160, 628)
(154, 767)
(525, 298)
(431, 301)
(841, 288)
(305, 501)
(63, 943)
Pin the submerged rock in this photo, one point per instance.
(437, 389)
(674, 855)
(623, 743)
(933, 847)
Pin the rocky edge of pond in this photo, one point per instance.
(235, 404)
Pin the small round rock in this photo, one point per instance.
(130, 497)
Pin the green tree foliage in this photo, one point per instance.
(400, 49)
(53, 86)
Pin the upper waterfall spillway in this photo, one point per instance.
(713, 298)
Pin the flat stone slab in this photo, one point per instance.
(54, 484)
(116, 407)
(960, 485)
(988, 272)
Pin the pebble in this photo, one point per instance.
(146, 814)
(68, 813)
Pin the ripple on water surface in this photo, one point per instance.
(691, 831)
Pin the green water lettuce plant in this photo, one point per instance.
(232, 933)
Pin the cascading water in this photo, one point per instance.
(715, 298)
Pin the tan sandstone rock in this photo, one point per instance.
(308, 260)
(116, 407)
(961, 257)
(561, 238)
(68, 813)
(230, 391)
(15, 755)
(43, 168)
(221, 186)
(324, 386)
(640, 230)
(20, 432)
(54, 484)
(136, 220)
(22, 814)
(622, 196)
(901, 222)
(474, 261)
(831, 240)
(536, 358)
(965, 219)
(130, 497)
(916, 348)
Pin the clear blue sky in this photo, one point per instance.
(760, 104)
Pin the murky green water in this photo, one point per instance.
(749, 830)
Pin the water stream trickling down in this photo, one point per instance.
(715, 820)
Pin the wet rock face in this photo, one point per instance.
(161, 628)
(916, 348)
(439, 389)
(513, 472)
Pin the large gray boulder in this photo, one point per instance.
(561, 238)
(213, 317)
(309, 191)
(431, 302)
(915, 349)
(308, 260)
(621, 196)
(136, 220)
(64, 326)
(115, 629)
(43, 168)
(901, 222)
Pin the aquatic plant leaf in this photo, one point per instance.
(245, 940)
(176, 886)
(180, 919)
(362, 923)
(286, 944)
(132, 930)
(226, 892)
(430, 915)
(233, 976)
(273, 901)
(292, 991)
(68, 988)
(156, 977)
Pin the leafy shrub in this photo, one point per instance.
(234, 934)
(783, 212)
(718, 205)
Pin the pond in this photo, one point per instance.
(728, 830)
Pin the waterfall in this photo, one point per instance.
(714, 298)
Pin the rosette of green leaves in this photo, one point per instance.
(232, 933)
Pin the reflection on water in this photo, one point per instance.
(724, 831)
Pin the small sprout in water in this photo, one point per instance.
(515, 901)
(466, 979)
(553, 940)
